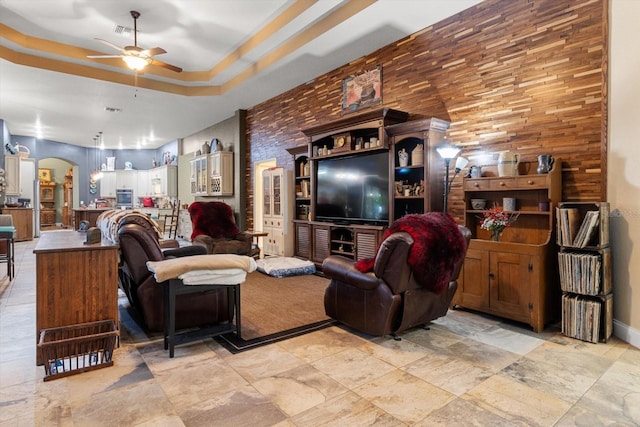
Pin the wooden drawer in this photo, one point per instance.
(532, 181)
(503, 183)
(476, 184)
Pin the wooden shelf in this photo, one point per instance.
(586, 279)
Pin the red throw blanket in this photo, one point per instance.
(213, 219)
(437, 247)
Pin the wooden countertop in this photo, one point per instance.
(15, 209)
(92, 210)
(67, 241)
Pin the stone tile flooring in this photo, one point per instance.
(468, 369)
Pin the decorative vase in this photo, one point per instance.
(495, 235)
(403, 158)
(508, 164)
(545, 162)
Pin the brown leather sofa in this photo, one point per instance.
(389, 299)
(139, 244)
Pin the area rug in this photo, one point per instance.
(272, 309)
(275, 309)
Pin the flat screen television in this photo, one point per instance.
(353, 189)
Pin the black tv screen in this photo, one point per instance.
(353, 189)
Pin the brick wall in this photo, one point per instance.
(527, 76)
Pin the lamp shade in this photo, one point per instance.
(461, 162)
(448, 151)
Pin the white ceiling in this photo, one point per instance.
(236, 53)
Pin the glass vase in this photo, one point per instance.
(495, 235)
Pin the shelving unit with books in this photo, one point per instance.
(584, 263)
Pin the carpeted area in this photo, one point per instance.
(272, 309)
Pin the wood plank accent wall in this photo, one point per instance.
(527, 76)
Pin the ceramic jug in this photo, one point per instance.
(545, 162)
(508, 164)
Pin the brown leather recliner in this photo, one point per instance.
(214, 227)
(138, 244)
(389, 299)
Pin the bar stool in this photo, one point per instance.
(7, 235)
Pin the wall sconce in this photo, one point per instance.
(448, 152)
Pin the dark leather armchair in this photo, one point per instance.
(139, 244)
(389, 299)
(214, 227)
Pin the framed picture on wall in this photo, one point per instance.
(44, 175)
(362, 90)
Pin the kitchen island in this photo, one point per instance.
(86, 214)
(75, 283)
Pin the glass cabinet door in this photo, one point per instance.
(266, 185)
(277, 195)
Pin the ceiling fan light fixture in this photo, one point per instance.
(136, 63)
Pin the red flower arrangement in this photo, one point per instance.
(496, 220)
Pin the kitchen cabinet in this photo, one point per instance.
(163, 181)
(108, 184)
(22, 221)
(143, 186)
(126, 178)
(221, 173)
(20, 175)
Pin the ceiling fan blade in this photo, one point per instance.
(165, 65)
(155, 51)
(110, 44)
(103, 56)
(133, 48)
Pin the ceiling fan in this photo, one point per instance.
(136, 57)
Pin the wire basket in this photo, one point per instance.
(22, 151)
(70, 350)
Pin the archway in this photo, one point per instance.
(57, 195)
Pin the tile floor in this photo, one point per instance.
(467, 370)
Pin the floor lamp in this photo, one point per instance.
(448, 152)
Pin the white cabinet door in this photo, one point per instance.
(143, 186)
(221, 173)
(12, 175)
(126, 178)
(164, 181)
(108, 184)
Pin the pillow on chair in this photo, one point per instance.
(213, 219)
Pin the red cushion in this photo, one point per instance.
(213, 219)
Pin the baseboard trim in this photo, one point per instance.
(626, 333)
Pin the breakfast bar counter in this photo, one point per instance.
(75, 283)
(86, 214)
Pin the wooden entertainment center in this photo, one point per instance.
(378, 131)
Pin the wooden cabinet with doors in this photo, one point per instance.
(516, 277)
(47, 204)
(22, 222)
(277, 212)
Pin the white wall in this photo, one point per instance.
(623, 179)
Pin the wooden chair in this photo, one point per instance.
(171, 221)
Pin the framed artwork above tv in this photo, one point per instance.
(362, 90)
